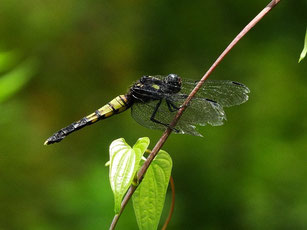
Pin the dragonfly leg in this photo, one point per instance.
(152, 118)
(171, 106)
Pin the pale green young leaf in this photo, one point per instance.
(148, 199)
(124, 162)
(141, 146)
(304, 52)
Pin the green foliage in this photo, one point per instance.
(8, 59)
(124, 162)
(250, 173)
(15, 79)
(304, 52)
(149, 197)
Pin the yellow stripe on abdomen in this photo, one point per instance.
(117, 105)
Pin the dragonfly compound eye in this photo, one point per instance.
(174, 82)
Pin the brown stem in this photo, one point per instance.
(123, 205)
(172, 204)
(168, 131)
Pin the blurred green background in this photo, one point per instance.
(62, 59)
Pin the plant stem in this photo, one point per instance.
(168, 131)
(172, 204)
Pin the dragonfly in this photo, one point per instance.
(154, 100)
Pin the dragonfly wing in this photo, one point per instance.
(224, 92)
(142, 112)
(199, 112)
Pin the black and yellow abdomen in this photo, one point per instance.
(117, 105)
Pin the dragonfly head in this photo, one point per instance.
(174, 82)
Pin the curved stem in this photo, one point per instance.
(168, 131)
(172, 204)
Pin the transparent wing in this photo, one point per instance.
(205, 108)
(199, 112)
(224, 92)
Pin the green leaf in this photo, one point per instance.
(141, 146)
(124, 161)
(148, 199)
(8, 59)
(14, 80)
(304, 52)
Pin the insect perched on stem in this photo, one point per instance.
(154, 100)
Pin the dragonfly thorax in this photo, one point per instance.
(155, 88)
